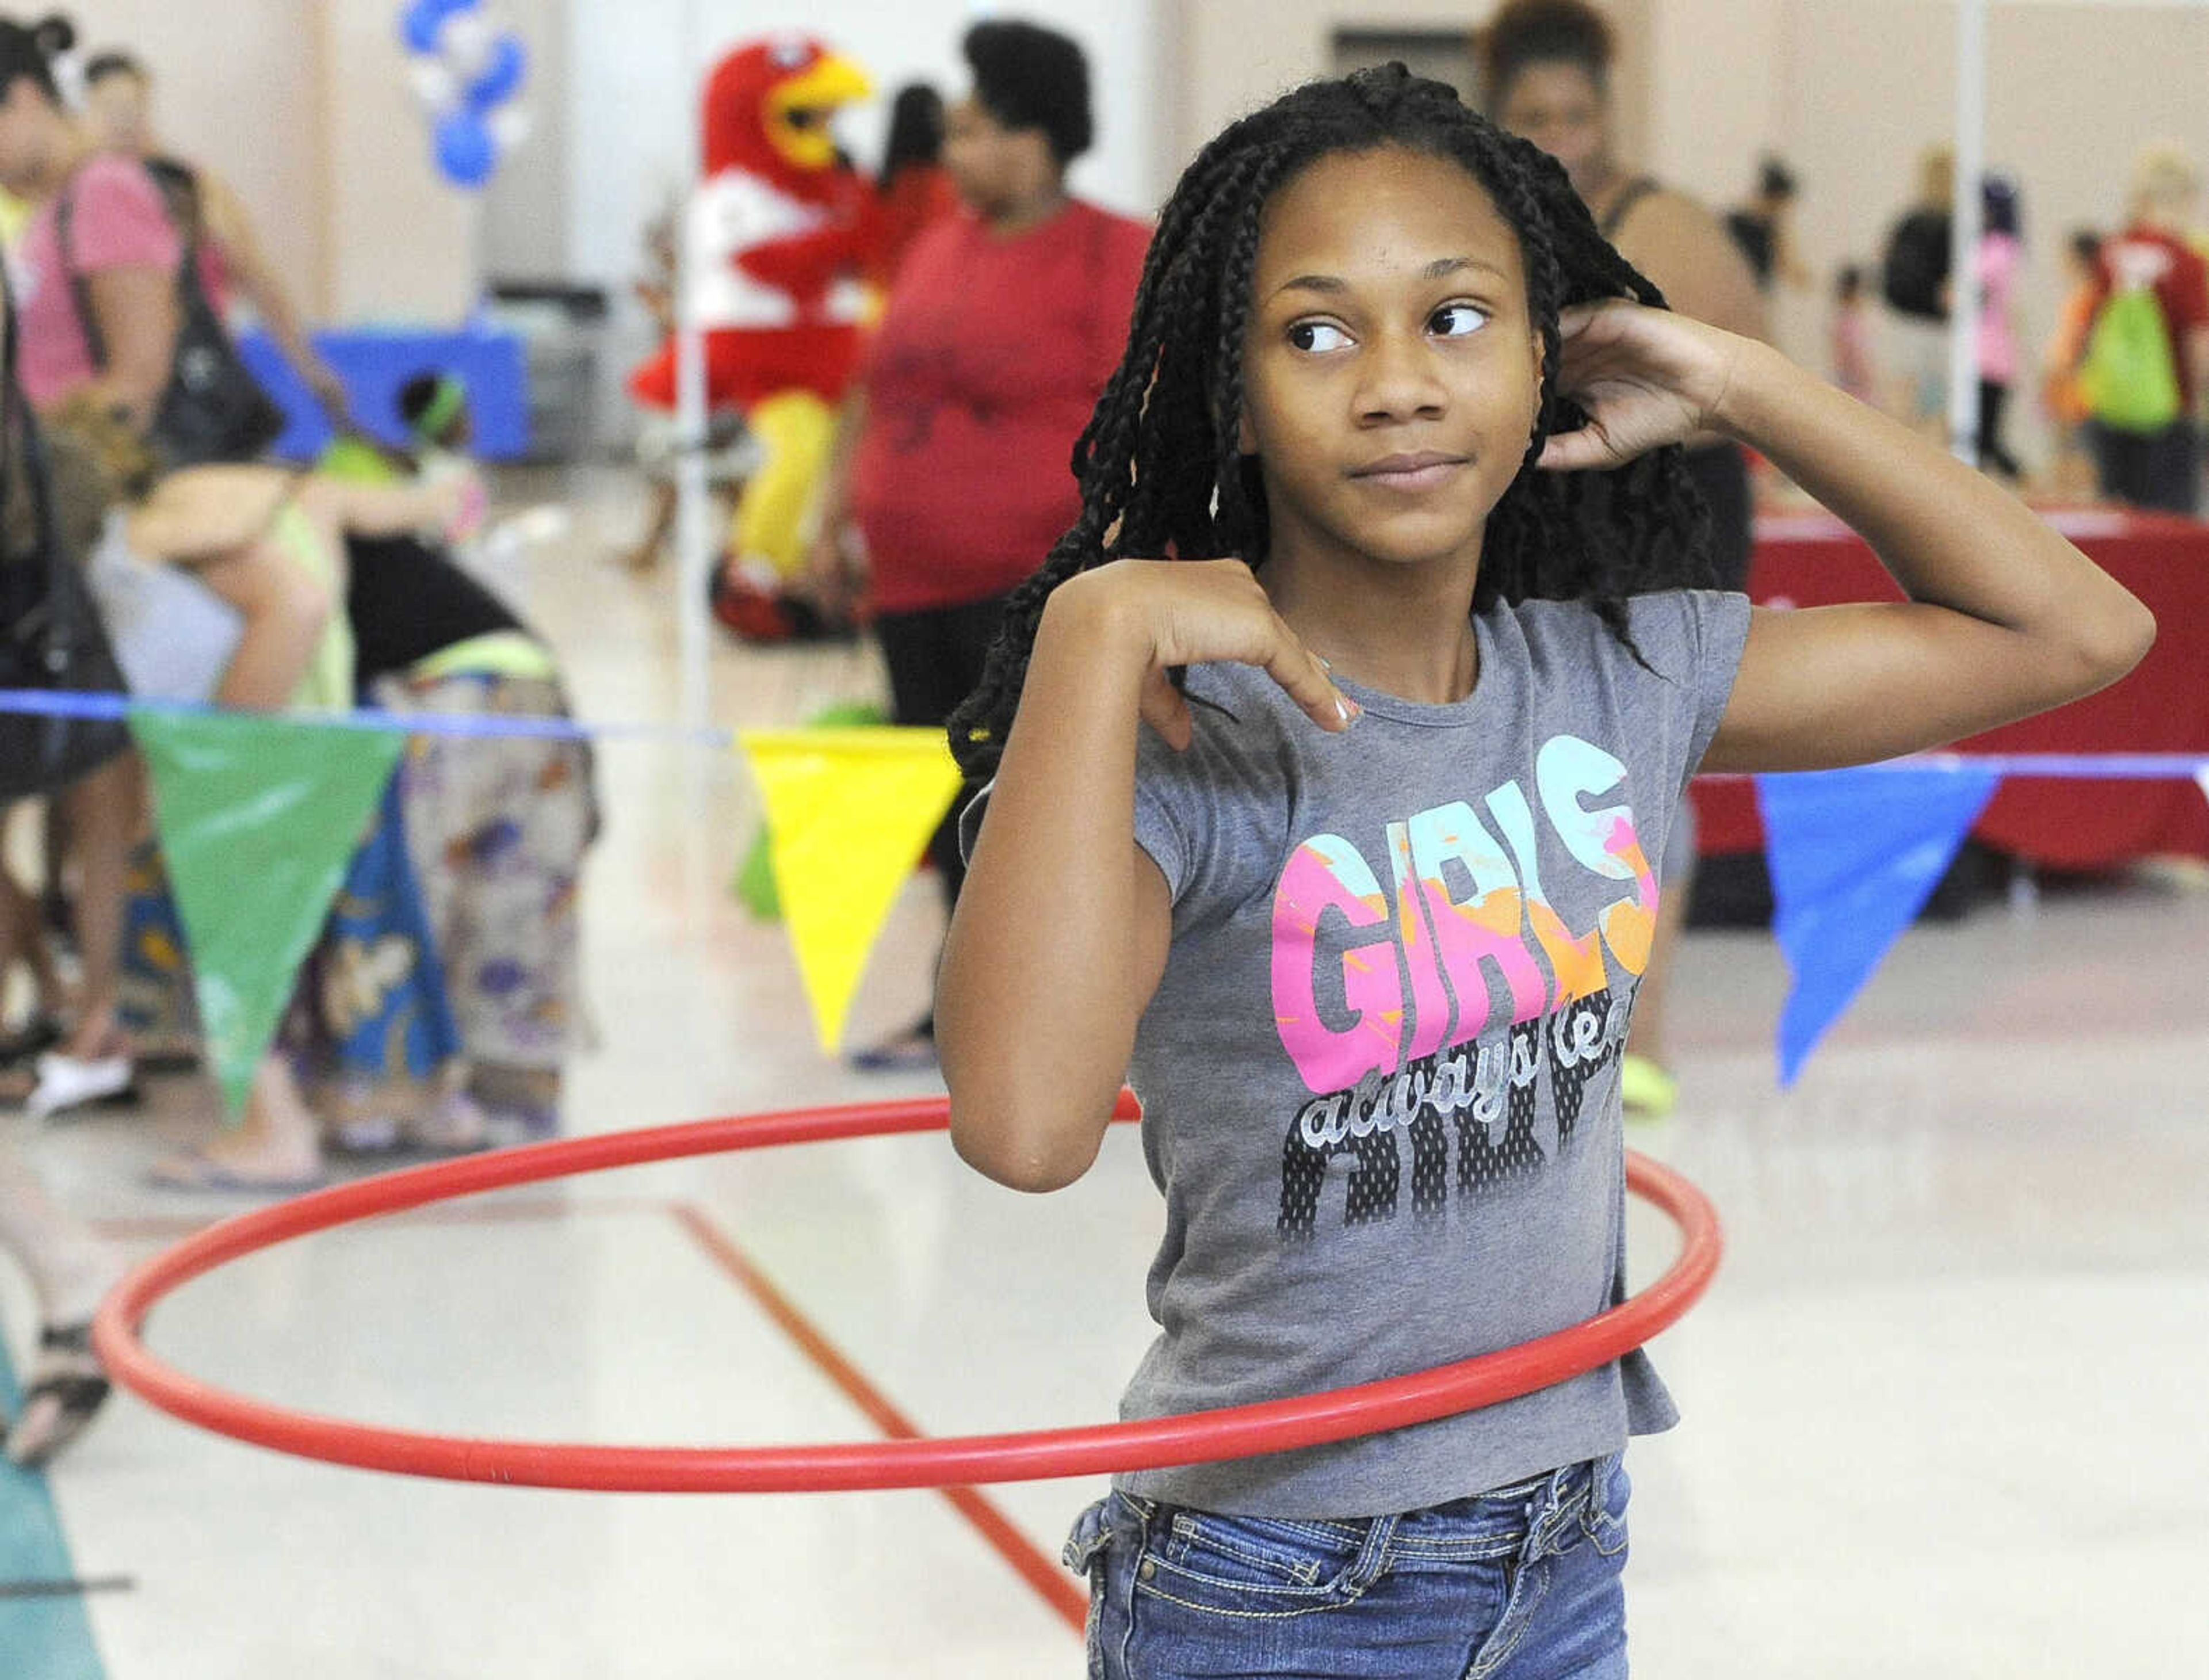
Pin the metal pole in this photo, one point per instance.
(693, 534)
(1970, 150)
(705, 776)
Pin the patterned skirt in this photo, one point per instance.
(497, 826)
(369, 1012)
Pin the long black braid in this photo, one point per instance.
(1159, 466)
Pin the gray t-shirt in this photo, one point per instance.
(1380, 1077)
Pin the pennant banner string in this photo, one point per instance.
(48, 703)
(42, 703)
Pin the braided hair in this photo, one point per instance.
(1159, 463)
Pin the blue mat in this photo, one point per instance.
(374, 362)
(47, 1637)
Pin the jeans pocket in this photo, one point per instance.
(1604, 1520)
(1246, 1566)
(1087, 1541)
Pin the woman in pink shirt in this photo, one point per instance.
(124, 254)
(118, 101)
(2001, 253)
(1853, 368)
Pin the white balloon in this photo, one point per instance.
(463, 43)
(433, 84)
(510, 126)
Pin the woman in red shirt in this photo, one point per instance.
(1003, 324)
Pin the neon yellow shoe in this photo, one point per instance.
(1646, 1089)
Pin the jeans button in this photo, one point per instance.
(1148, 1567)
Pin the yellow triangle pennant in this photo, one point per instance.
(849, 812)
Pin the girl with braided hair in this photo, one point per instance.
(1331, 749)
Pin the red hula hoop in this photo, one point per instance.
(1233, 1432)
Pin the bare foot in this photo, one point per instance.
(276, 1149)
(96, 1037)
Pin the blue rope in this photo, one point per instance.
(45, 702)
(52, 703)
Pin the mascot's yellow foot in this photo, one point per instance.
(1646, 1090)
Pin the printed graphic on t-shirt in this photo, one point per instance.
(1426, 995)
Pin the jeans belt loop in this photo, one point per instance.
(1560, 1512)
(1372, 1561)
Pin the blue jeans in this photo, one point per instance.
(1522, 1583)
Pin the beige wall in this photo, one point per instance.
(2074, 91)
(1718, 83)
(1237, 54)
(302, 104)
(400, 242)
(1234, 55)
(524, 234)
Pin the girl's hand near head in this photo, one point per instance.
(1181, 612)
(2005, 617)
(1645, 377)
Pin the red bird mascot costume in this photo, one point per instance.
(775, 255)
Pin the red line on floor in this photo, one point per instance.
(1050, 1582)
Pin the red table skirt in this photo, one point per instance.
(1812, 559)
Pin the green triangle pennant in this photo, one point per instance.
(257, 817)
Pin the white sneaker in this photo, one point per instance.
(67, 1081)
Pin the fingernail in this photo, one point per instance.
(1347, 709)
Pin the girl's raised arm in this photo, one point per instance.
(2005, 617)
(1062, 927)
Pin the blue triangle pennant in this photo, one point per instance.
(1854, 854)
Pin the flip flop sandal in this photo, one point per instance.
(453, 1125)
(194, 1172)
(67, 1389)
(910, 1052)
(364, 1140)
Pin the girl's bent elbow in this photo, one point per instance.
(1001, 1154)
(2138, 637)
(2116, 644)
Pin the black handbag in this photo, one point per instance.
(213, 408)
(51, 637)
